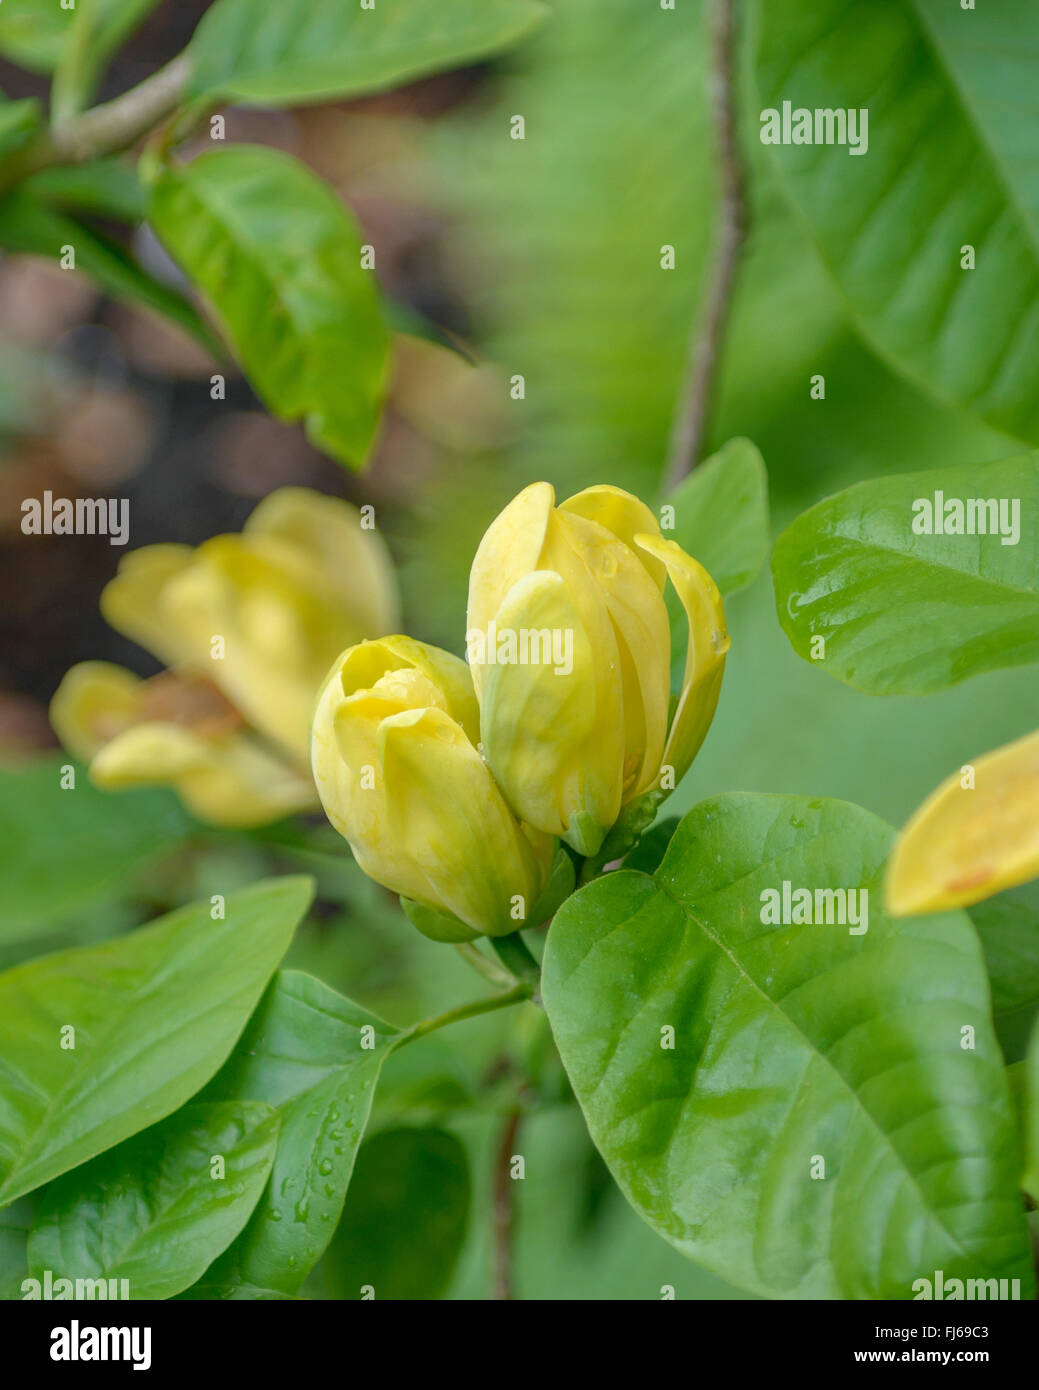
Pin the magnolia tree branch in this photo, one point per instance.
(504, 1207)
(707, 337)
(106, 129)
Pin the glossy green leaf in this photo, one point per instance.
(792, 1045)
(62, 850)
(903, 612)
(310, 50)
(279, 257)
(721, 515)
(30, 225)
(102, 188)
(949, 165)
(154, 1014)
(1030, 1182)
(155, 1210)
(315, 1056)
(1008, 926)
(15, 1225)
(650, 850)
(405, 1218)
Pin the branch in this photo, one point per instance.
(520, 994)
(106, 129)
(705, 343)
(504, 1207)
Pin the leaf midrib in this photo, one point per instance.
(975, 123)
(909, 558)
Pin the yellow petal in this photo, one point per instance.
(361, 666)
(352, 563)
(231, 782)
(370, 683)
(279, 635)
(132, 601)
(705, 658)
(94, 702)
(640, 624)
(554, 739)
(965, 844)
(511, 547)
(450, 823)
(623, 514)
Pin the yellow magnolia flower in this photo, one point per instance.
(569, 644)
(247, 625)
(400, 778)
(966, 843)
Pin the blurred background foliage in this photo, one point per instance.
(538, 257)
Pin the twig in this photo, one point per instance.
(105, 129)
(705, 342)
(519, 995)
(489, 969)
(504, 1207)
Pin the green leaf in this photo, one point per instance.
(29, 225)
(650, 850)
(151, 1210)
(33, 33)
(721, 515)
(908, 613)
(15, 1224)
(1008, 926)
(62, 850)
(405, 1220)
(949, 164)
(99, 27)
(279, 257)
(18, 120)
(37, 34)
(310, 50)
(155, 1013)
(234, 1293)
(315, 1056)
(102, 188)
(558, 888)
(1030, 1182)
(791, 1044)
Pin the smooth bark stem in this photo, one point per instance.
(707, 338)
(106, 129)
(504, 1208)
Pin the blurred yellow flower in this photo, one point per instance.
(400, 778)
(569, 644)
(977, 834)
(247, 625)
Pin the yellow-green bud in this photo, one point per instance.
(569, 645)
(398, 772)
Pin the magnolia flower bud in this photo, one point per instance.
(569, 644)
(400, 778)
